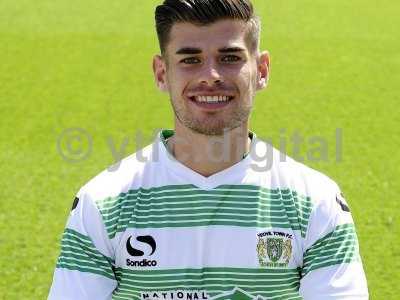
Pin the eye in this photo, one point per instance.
(190, 60)
(230, 58)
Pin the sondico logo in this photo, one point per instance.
(144, 239)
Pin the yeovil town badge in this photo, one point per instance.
(274, 249)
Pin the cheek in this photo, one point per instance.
(176, 85)
(246, 79)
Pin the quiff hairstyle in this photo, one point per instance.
(203, 13)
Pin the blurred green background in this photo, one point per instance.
(71, 64)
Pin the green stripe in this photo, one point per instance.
(203, 210)
(269, 283)
(79, 253)
(200, 199)
(226, 272)
(178, 191)
(84, 269)
(182, 218)
(338, 247)
(188, 206)
(206, 285)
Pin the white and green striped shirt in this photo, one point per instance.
(154, 229)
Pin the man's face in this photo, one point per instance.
(211, 75)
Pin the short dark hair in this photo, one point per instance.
(205, 12)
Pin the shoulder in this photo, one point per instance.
(121, 177)
(323, 207)
(314, 189)
(319, 190)
(287, 173)
(327, 209)
(307, 181)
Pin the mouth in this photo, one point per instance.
(211, 101)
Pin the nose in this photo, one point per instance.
(210, 75)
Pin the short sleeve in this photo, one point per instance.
(85, 266)
(332, 266)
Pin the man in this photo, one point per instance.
(197, 215)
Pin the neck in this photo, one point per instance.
(208, 155)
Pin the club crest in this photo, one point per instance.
(274, 249)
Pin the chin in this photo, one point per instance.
(208, 129)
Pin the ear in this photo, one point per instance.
(263, 69)
(160, 73)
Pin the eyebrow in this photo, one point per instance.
(191, 50)
(231, 49)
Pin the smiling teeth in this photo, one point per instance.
(211, 99)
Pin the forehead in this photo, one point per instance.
(214, 36)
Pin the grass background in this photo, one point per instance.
(66, 64)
